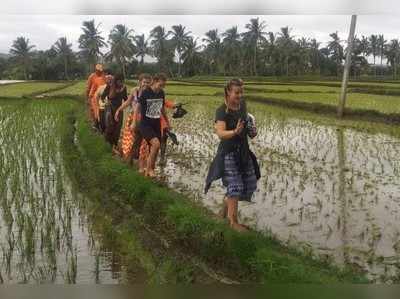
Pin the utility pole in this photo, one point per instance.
(347, 64)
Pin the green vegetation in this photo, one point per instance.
(251, 256)
(32, 88)
(193, 242)
(254, 51)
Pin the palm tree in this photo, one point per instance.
(365, 46)
(231, 49)
(336, 51)
(90, 42)
(381, 46)
(22, 51)
(285, 44)
(121, 45)
(315, 55)
(142, 48)
(191, 56)
(271, 52)
(179, 40)
(303, 55)
(161, 48)
(213, 48)
(255, 35)
(374, 48)
(392, 53)
(64, 51)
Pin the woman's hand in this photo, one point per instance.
(116, 116)
(239, 127)
(133, 126)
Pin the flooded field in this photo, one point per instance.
(328, 187)
(46, 232)
(325, 187)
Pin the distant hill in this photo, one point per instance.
(2, 55)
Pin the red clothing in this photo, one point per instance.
(95, 80)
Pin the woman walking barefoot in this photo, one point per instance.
(151, 103)
(130, 129)
(235, 163)
(116, 93)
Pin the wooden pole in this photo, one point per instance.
(345, 80)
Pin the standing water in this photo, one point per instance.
(327, 189)
(46, 234)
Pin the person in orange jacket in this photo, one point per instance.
(94, 81)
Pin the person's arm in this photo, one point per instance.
(138, 108)
(123, 106)
(89, 85)
(164, 114)
(105, 92)
(223, 133)
(135, 115)
(170, 104)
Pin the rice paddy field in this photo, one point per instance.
(329, 188)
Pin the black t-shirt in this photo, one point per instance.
(116, 100)
(151, 104)
(231, 117)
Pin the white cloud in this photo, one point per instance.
(44, 30)
(199, 7)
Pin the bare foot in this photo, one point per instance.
(115, 151)
(239, 227)
(142, 171)
(223, 212)
(151, 174)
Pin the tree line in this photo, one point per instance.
(254, 52)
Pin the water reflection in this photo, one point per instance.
(330, 189)
(46, 234)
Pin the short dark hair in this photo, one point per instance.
(160, 77)
(108, 72)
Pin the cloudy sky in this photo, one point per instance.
(44, 30)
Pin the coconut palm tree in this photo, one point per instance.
(22, 51)
(213, 49)
(374, 48)
(161, 47)
(336, 51)
(91, 42)
(381, 46)
(392, 53)
(285, 44)
(271, 52)
(180, 38)
(64, 51)
(121, 45)
(142, 48)
(231, 49)
(255, 35)
(365, 46)
(191, 56)
(315, 56)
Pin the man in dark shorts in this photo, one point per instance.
(151, 104)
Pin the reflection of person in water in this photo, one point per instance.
(235, 163)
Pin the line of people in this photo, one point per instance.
(147, 128)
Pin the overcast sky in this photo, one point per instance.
(44, 30)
